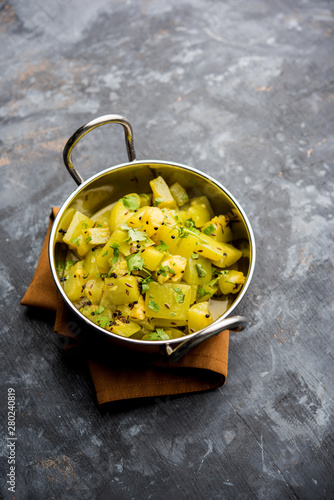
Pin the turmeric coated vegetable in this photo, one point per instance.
(148, 266)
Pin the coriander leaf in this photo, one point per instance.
(159, 334)
(130, 201)
(105, 253)
(75, 241)
(162, 247)
(115, 246)
(69, 264)
(99, 310)
(135, 262)
(209, 230)
(137, 235)
(88, 239)
(194, 255)
(103, 321)
(154, 306)
(157, 201)
(99, 225)
(200, 271)
(145, 284)
(178, 295)
(201, 292)
(84, 225)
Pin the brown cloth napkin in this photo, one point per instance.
(122, 374)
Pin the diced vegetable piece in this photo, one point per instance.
(93, 290)
(136, 219)
(198, 271)
(200, 200)
(209, 248)
(179, 194)
(171, 268)
(125, 329)
(74, 281)
(167, 300)
(102, 220)
(108, 250)
(152, 258)
(200, 214)
(145, 199)
(227, 234)
(74, 235)
(199, 317)
(205, 292)
(123, 209)
(64, 223)
(162, 196)
(229, 257)
(231, 282)
(97, 236)
(152, 219)
(90, 264)
(122, 290)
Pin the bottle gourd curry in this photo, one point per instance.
(148, 266)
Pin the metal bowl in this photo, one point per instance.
(108, 186)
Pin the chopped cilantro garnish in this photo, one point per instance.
(162, 247)
(88, 239)
(103, 321)
(137, 235)
(135, 262)
(84, 225)
(154, 306)
(114, 246)
(157, 201)
(159, 334)
(75, 241)
(130, 201)
(69, 264)
(99, 225)
(200, 271)
(178, 295)
(145, 284)
(194, 255)
(99, 310)
(209, 230)
(105, 253)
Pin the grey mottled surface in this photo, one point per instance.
(244, 91)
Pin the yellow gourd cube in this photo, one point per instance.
(64, 224)
(93, 290)
(231, 282)
(199, 317)
(107, 251)
(230, 255)
(123, 209)
(179, 194)
(162, 196)
(74, 282)
(199, 214)
(198, 271)
(152, 258)
(166, 300)
(122, 290)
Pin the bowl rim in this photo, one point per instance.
(147, 162)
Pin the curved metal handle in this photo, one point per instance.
(102, 120)
(235, 323)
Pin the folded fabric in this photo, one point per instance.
(120, 374)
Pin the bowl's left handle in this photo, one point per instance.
(102, 120)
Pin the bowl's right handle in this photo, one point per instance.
(234, 323)
(97, 122)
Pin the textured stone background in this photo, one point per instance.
(244, 91)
